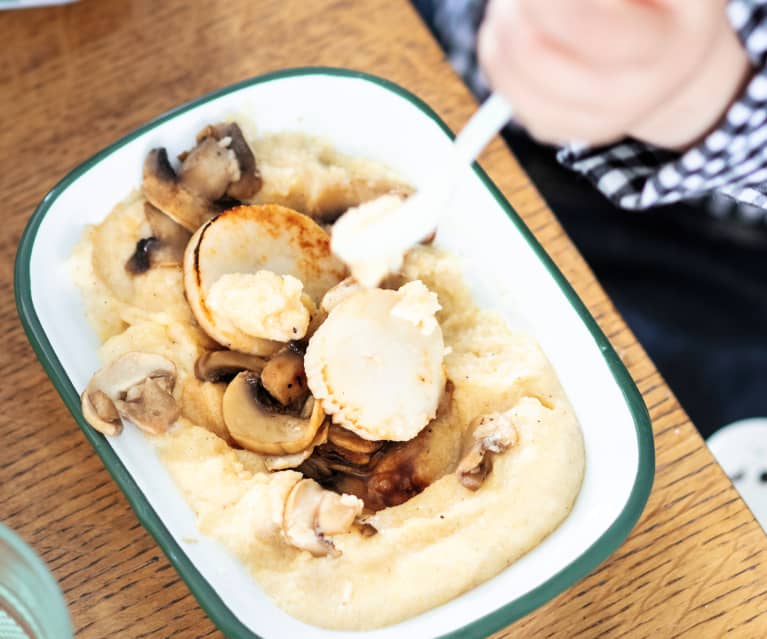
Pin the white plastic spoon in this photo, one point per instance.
(373, 238)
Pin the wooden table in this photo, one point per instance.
(73, 79)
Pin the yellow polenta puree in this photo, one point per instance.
(428, 550)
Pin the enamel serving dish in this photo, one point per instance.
(506, 268)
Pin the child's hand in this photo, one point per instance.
(593, 71)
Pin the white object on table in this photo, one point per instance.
(373, 241)
(27, 4)
(741, 450)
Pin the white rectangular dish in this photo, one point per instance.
(506, 268)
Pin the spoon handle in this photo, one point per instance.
(490, 118)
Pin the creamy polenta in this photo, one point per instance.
(480, 466)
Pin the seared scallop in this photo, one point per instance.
(248, 274)
(376, 362)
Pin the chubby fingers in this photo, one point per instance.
(595, 70)
(556, 95)
(602, 32)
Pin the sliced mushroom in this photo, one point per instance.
(348, 461)
(386, 473)
(282, 462)
(208, 169)
(474, 467)
(399, 475)
(100, 412)
(165, 246)
(202, 404)
(312, 514)
(284, 378)
(492, 434)
(337, 513)
(218, 366)
(257, 422)
(161, 186)
(386, 477)
(172, 236)
(349, 441)
(230, 135)
(141, 259)
(136, 386)
(166, 229)
(150, 406)
(221, 166)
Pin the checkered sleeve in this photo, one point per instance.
(731, 161)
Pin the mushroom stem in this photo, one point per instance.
(284, 379)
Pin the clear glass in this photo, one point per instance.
(31, 604)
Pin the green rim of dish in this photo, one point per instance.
(224, 618)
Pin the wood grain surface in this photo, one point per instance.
(75, 78)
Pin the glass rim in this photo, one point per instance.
(56, 616)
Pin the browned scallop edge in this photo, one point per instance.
(202, 305)
(197, 249)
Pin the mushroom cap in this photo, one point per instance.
(294, 460)
(208, 169)
(139, 386)
(202, 402)
(163, 247)
(313, 513)
(349, 441)
(218, 366)
(247, 239)
(129, 370)
(376, 374)
(172, 237)
(150, 405)
(100, 412)
(263, 428)
(161, 186)
(219, 168)
(249, 181)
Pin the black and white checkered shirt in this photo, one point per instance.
(730, 163)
